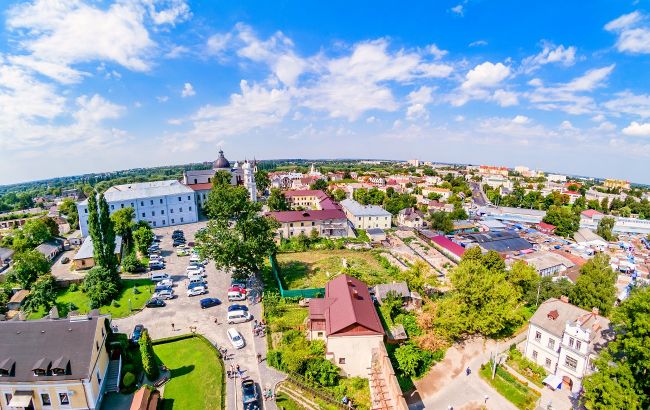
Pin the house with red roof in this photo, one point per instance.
(346, 320)
(546, 228)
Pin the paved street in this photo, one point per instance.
(185, 312)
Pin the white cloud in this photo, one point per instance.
(162, 98)
(423, 95)
(218, 43)
(188, 90)
(458, 9)
(416, 111)
(171, 12)
(550, 54)
(519, 128)
(628, 103)
(96, 109)
(459, 118)
(566, 126)
(521, 119)
(69, 32)
(372, 119)
(485, 75)
(505, 98)
(255, 107)
(478, 43)
(633, 36)
(177, 51)
(569, 97)
(636, 129)
(436, 52)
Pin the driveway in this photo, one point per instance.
(186, 314)
(448, 385)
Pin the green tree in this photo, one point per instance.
(51, 226)
(605, 227)
(262, 181)
(595, 287)
(99, 286)
(408, 359)
(123, 225)
(319, 184)
(548, 288)
(441, 221)
(321, 371)
(43, 293)
(131, 263)
(339, 195)
(277, 201)
(523, 277)
(565, 220)
(494, 262)
(149, 361)
(604, 205)
(68, 208)
(100, 228)
(482, 302)
(612, 387)
(28, 266)
(237, 236)
(33, 233)
(143, 238)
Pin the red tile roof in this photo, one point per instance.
(347, 308)
(316, 215)
(590, 213)
(448, 244)
(201, 187)
(545, 226)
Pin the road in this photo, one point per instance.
(478, 196)
(185, 314)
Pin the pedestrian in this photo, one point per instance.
(173, 329)
(468, 371)
(486, 398)
(259, 358)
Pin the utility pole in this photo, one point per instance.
(494, 361)
(539, 285)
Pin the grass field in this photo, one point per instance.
(81, 303)
(313, 269)
(509, 387)
(285, 402)
(196, 375)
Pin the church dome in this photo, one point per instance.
(221, 162)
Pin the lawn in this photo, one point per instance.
(312, 269)
(509, 387)
(76, 299)
(196, 375)
(285, 402)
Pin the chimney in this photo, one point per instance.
(355, 294)
(564, 299)
(594, 311)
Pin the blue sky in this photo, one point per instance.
(89, 86)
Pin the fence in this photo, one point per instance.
(320, 392)
(293, 293)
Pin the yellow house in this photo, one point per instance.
(84, 259)
(54, 364)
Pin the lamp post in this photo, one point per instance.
(130, 308)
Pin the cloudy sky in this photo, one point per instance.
(90, 86)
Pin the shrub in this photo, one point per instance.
(130, 263)
(149, 363)
(274, 358)
(115, 303)
(73, 287)
(128, 379)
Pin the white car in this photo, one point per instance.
(196, 291)
(156, 258)
(164, 294)
(196, 272)
(235, 338)
(189, 268)
(166, 282)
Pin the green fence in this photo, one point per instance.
(293, 293)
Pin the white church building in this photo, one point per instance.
(172, 202)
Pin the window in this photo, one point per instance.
(131, 204)
(190, 208)
(535, 354)
(570, 362)
(151, 201)
(99, 378)
(180, 209)
(341, 360)
(551, 343)
(153, 213)
(86, 210)
(122, 206)
(64, 399)
(578, 344)
(195, 181)
(291, 224)
(179, 199)
(538, 336)
(45, 399)
(112, 207)
(173, 219)
(320, 334)
(302, 224)
(181, 220)
(163, 222)
(96, 344)
(548, 362)
(143, 215)
(141, 203)
(171, 210)
(188, 197)
(161, 200)
(571, 341)
(154, 223)
(162, 212)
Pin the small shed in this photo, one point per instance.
(376, 234)
(401, 289)
(84, 259)
(18, 299)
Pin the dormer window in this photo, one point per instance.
(42, 367)
(60, 366)
(7, 367)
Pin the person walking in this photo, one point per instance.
(486, 398)
(173, 329)
(259, 358)
(468, 371)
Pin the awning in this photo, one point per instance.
(21, 400)
(555, 382)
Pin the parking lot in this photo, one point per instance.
(183, 314)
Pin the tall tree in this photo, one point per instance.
(262, 181)
(52, 226)
(143, 238)
(605, 228)
(123, 224)
(100, 228)
(28, 266)
(319, 184)
(100, 287)
(149, 362)
(595, 286)
(523, 277)
(441, 221)
(277, 201)
(43, 293)
(237, 237)
(566, 221)
(68, 208)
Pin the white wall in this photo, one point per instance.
(356, 350)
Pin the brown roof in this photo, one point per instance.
(315, 215)
(201, 187)
(19, 296)
(145, 399)
(348, 309)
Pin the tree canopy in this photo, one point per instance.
(566, 221)
(595, 287)
(277, 201)
(28, 266)
(605, 228)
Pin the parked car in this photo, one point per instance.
(156, 265)
(157, 238)
(157, 277)
(182, 252)
(196, 291)
(156, 257)
(166, 282)
(164, 294)
(249, 395)
(235, 338)
(236, 296)
(160, 288)
(137, 332)
(153, 248)
(154, 303)
(209, 302)
(232, 308)
(237, 289)
(238, 283)
(65, 259)
(197, 284)
(178, 242)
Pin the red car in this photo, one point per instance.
(237, 289)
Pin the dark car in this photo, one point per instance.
(65, 259)
(137, 332)
(156, 266)
(232, 308)
(209, 302)
(178, 242)
(249, 395)
(197, 284)
(154, 303)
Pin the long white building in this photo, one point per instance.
(161, 203)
